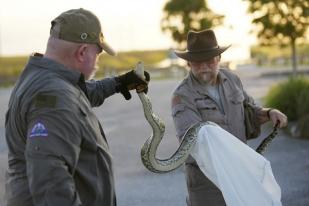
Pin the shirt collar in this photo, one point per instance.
(221, 76)
(69, 74)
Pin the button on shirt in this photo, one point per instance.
(58, 154)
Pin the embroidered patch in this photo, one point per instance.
(42, 101)
(38, 130)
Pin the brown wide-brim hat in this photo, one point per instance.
(201, 46)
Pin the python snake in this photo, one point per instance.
(148, 151)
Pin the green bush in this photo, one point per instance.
(292, 98)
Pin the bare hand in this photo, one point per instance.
(277, 116)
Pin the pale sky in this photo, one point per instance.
(127, 24)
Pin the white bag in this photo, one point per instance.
(244, 177)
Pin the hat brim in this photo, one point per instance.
(108, 49)
(202, 55)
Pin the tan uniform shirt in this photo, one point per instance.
(193, 104)
(58, 154)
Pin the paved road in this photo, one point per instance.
(137, 186)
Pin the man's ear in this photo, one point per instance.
(80, 53)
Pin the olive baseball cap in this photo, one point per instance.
(80, 26)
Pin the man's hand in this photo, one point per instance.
(131, 80)
(277, 116)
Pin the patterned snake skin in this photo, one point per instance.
(148, 151)
(264, 144)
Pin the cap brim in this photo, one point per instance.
(201, 56)
(107, 48)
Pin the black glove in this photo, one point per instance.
(131, 80)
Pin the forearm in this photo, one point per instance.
(99, 90)
(263, 115)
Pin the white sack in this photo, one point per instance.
(244, 176)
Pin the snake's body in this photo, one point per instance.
(264, 144)
(148, 151)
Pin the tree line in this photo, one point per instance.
(277, 22)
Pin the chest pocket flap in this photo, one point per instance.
(237, 97)
(206, 104)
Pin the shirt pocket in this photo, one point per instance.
(237, 98)
(209, 111)
(206, 104)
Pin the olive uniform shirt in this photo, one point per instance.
(58, 154)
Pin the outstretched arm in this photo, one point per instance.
(99, 90)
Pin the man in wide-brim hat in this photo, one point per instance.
(209, 93)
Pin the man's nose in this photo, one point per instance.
(205, 66)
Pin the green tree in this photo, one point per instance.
(180, 16)
(281, 22)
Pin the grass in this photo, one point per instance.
(11, 67)
(127, 60)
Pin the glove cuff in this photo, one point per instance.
(122, 89)
(118, 85)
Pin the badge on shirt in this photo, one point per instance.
(38, 130)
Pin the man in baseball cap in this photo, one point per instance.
(58, 153)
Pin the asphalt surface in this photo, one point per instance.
(126, 130)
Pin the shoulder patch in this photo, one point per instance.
(38, 130)
(42, 100)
